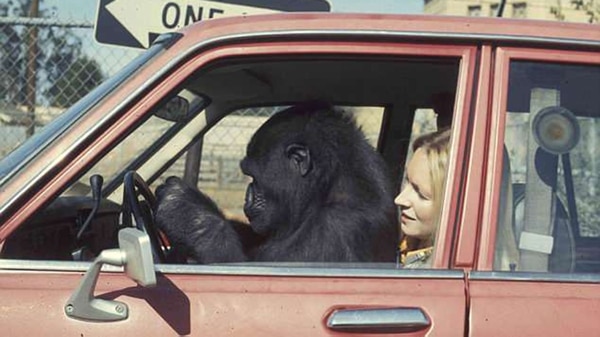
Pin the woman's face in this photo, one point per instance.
(416, 199)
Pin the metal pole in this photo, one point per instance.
(31, 70)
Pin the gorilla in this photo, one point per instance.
(319, 193)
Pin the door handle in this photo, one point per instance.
(398, 320)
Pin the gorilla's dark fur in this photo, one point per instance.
(319, 193)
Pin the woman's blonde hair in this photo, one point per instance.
(436, 147)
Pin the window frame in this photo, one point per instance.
(501, 68)
(137, 110)
(466, 72)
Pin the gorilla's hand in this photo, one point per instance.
(194, 224)
(175, 193)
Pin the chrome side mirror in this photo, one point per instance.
(135, 253)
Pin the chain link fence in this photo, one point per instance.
(224, 146)
(46, 65)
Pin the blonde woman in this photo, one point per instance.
(420, 199)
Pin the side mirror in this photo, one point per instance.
(135, 254)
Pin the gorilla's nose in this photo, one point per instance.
(249, 199)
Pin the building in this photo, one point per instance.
(564, 10)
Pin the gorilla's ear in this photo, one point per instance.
(300, 155)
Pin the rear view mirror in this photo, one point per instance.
(135, 253)
(175, 110)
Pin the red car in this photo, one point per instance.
(517, 251)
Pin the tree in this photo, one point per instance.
(590, 7)
(82, 76)
(12, 71)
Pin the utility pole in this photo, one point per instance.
(32, 51)
(501, 8)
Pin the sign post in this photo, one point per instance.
(134, 23)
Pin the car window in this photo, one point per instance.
(549, 219)
(166, 120)
(224, 146)
(32, 146)
(393, 101)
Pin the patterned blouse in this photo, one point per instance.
(415, 258)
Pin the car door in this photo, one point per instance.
(246, 299)
(537, 269)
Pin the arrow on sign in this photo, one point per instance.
(150, 18)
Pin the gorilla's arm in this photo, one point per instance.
(195, 225)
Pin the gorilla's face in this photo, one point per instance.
(260, 204)
(277, 185)
(279, 162)
(262, 208)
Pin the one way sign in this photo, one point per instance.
(135, 23)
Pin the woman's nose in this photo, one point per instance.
(401, 199)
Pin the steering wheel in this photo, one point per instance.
(135, 187)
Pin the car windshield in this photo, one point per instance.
(22, 155)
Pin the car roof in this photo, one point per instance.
(374, 27)
(389, 25)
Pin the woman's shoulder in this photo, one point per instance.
(417, 258)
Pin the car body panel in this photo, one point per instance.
(524, 306)
(229, 300)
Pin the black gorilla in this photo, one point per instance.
(319, 193)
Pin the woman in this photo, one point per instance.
(420, 199)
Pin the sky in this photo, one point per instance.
(84, 11)
(87, 8)
(377, 6)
